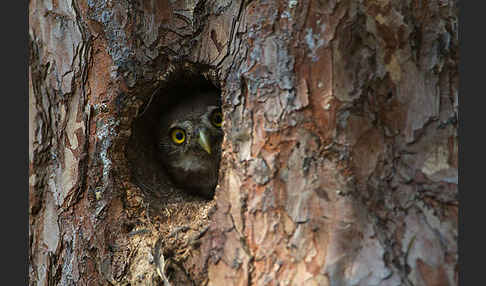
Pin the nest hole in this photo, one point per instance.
(150, 170)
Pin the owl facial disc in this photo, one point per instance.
(189, 140)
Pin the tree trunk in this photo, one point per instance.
(340, 157)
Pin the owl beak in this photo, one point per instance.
(203, 140)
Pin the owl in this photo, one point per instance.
(189, 142)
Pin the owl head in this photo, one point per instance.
(189, 142)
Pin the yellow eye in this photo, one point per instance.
(217, 118)
(178, 135)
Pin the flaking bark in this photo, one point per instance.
(340, 156)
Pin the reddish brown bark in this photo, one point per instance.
(340, 154)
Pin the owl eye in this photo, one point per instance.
(217, 118)
(178, 135)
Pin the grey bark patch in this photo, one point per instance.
(262, 174)
(51, 228)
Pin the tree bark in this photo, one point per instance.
(340, 157)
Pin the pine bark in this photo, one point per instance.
(340, 158)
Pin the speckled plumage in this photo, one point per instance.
(189, 165)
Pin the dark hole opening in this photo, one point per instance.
(175, 146)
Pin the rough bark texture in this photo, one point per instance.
(340, 158)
